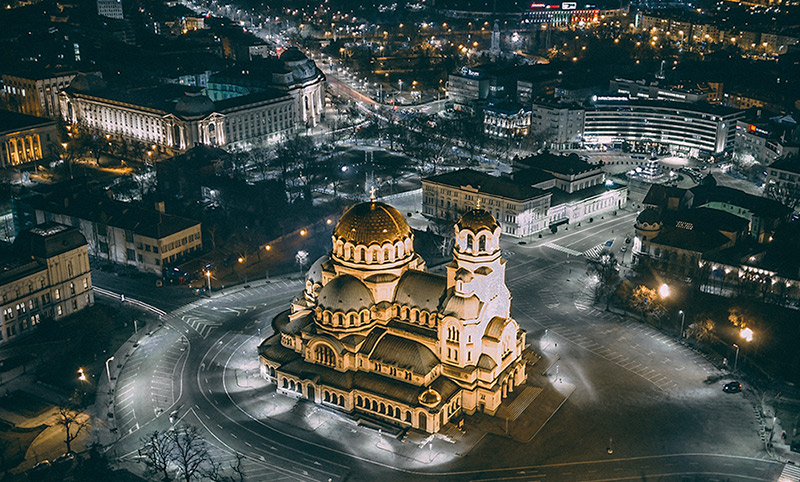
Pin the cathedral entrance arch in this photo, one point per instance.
(423, 421)
(311, 393)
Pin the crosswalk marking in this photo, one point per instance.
(563, 249)
(594, 253)
(791, 473)
(200, 325)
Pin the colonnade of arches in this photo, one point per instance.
(351, 319)
(382, 408)
(387, 253)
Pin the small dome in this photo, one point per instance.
(345, 293)
(429, 398)
(371, 223)
(477, 220)
(648, 216)
(194, 103)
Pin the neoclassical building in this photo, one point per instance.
(243, 107)
(373, 333)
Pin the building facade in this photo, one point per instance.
(232, 111)
(506, 121)
(147, 240)
(783, 182)
(25, 139)
(559, 124)
(695, 129)
(36, 94)
(110, 9)
(377, 336)
(530, 201)
(45, 275)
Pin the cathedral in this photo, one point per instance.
(375, 334)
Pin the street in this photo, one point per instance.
(629, 379)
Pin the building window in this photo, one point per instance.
(85, 283)
(8, 314)
(130, 254)
(72, 289)
(59, 310)
(58, 293)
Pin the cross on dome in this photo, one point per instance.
(372, 192)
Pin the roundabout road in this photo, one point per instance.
(637, 392)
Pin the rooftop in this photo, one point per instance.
(758, 205)
(556, 164)
(497, 186)
(12, 121)
(789, 164)
(99, 209)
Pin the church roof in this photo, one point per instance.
(486, 362)
(463, 308)
(372, 223)
(494, 330)
(420, 290)
(404, 353)
(345, 293)
(476, 220)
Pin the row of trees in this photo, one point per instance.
(183, 452)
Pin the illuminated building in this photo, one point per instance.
(36, 93)
(560, 124)
(45, 275)
(376, 335)
(783, 181)
(235, 110)
(549, 192)
(144, 239)
(698, 130)
(110, 9)
(177, 117)
(25, 138)
(564, 14)
(506, 120)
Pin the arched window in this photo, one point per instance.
(469, 242)
(385, 255)
(359, 401)
(324, 355)
(482, 243)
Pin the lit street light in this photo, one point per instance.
(746, 334)
(663, 290)
(683, 318)
(81, 375)
(208, 279)
(736, 360)
(108, 371)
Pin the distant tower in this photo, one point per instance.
(660, 73)
(494, 51)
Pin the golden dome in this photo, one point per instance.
(476, 220)
(372, 223)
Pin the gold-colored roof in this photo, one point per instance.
(476, 220)
(372, 223)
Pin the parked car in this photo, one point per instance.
(732, 387)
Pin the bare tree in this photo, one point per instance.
(216, 471)
(157, 452)
(605, 268)
(190, 452)
(71, 419)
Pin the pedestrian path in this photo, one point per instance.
(563, 249)
(513, 410)
(791, 473)
(594, 253)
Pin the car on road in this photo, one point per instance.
(732, 387)
(44, 463)
(65, 457)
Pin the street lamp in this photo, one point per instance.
(746, 334)
(108, 371)
(208, 279)
(663, 290)
(81, 375)
(683, 318)
(736, 360)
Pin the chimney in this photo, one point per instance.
(160, 207)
